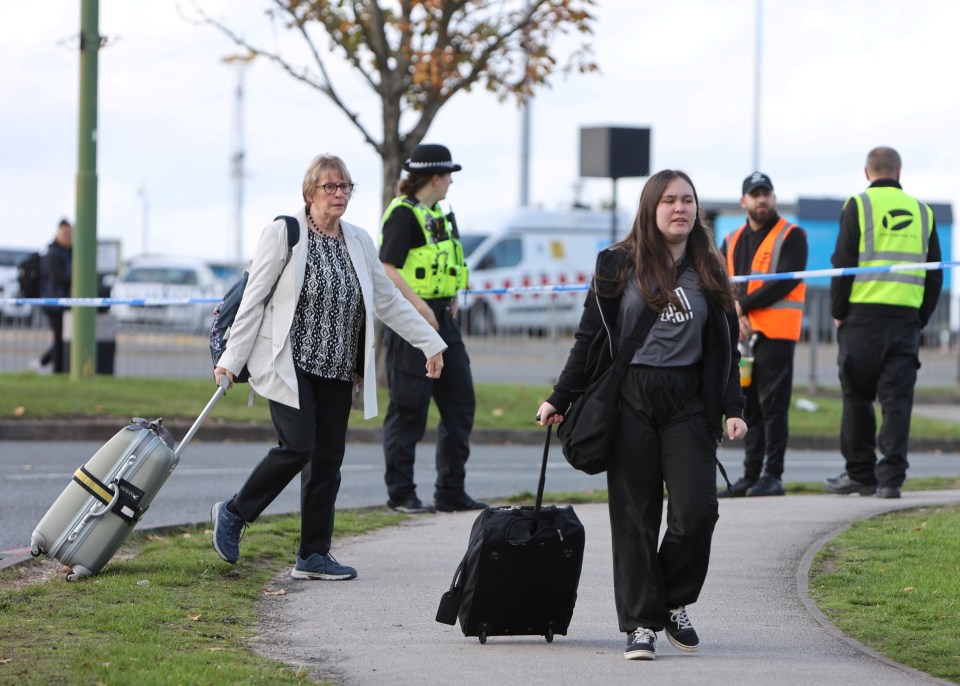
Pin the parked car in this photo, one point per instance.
(10, 259)
(167, 277)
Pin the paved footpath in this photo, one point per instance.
(755, 621)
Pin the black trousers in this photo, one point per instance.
(663, 438)
(878, 360)
(768, 407)
(54, 354)
(311, 439)
(406, 419)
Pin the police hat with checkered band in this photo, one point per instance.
(430, 158)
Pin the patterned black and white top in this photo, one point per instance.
(330, 312)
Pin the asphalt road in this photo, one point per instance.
(33, 473)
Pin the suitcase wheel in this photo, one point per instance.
(549, 635)
(483, 636)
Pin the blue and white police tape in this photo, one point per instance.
(557, 288)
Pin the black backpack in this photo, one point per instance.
(28, 275)
(226, 311)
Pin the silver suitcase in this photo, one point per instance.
(108, 495)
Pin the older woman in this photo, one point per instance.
(304, 329)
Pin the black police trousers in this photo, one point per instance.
(406, 418)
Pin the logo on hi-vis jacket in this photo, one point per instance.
(897, 220)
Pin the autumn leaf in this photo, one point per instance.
(19, 411)
(907, 588)
(194, 618)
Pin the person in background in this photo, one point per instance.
(304, 329)
(879, 317)
(56, 280)
(680, 385)
(421, 252)
(770, 315)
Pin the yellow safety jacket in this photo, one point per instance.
(783, 319)
(438, 268)
(895, 228)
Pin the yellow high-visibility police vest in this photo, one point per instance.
(438, 268)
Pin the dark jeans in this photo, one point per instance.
(662, 439)
(312, 439)
(768, 407)
(406, 419)
(55, 353)
(878, 360)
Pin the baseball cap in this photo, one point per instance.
(756, 180)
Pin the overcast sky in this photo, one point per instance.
(838, 78)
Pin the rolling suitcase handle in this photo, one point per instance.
(543, 469)
(221, 391)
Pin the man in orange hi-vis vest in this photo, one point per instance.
(770, 314)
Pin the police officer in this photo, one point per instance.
(879, 317)
(421, 252)
(770, 314)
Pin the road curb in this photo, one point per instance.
(213, 431)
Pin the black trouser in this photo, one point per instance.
(55, 353)
(312, 439)
(406, 420)
(768, 407)
(663, 438)
(878, 360)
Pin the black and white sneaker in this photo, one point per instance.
(680, 631)
(641, 644)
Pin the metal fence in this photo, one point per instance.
(523, 356)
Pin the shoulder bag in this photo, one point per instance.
(590, 424)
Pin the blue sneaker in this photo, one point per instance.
(319, 566)
(227, 532)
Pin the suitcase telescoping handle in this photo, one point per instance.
(221, 391)
(543, 469)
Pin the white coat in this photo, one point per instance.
(260, 335)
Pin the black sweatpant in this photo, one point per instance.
(312, 439)
(663, 438)
(768, 406)
(878, 360)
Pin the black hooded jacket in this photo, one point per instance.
(595, 347)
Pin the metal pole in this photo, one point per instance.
(83, 349)
(613, 214)
(525, 155)
(756, 87)
(238, 171)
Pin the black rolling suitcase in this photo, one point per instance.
(109, 494)
(520, 573)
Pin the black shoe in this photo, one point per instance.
(768, 485)
(461, 503)
(844, 485)
(411, 505)
(888, 492)
(680, 631)
(738, 490)
(641, 644)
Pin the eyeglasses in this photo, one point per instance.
(331, 188)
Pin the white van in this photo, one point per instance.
(534, 248)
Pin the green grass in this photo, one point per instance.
(166, 610)
(499, 406)
(891, 582)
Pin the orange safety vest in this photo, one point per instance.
(783, 319)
